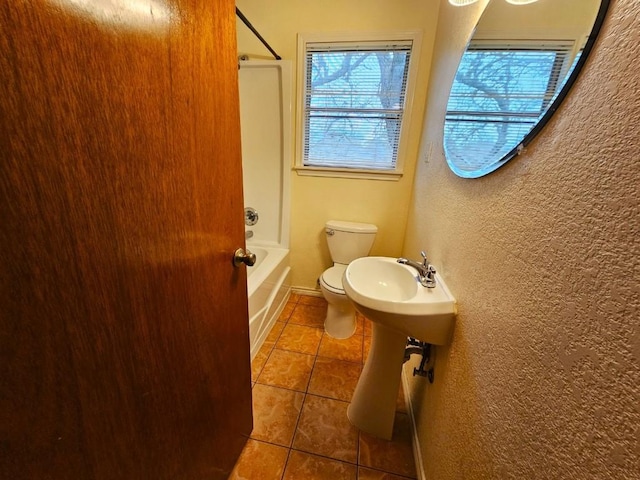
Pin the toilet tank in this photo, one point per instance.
(349, 240)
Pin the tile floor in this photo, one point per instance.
(303, 382)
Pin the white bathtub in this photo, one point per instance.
(268, 290)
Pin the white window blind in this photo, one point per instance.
(354, 101)
(499, 93)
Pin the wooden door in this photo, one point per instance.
(124, 336)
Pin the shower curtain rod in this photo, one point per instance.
(255, 32)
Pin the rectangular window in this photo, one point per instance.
(354, 105)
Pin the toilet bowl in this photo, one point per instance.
(340, 321)
(347, 241)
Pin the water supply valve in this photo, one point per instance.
(423, 349)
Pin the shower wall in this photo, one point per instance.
(265, 117)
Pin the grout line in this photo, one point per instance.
(265, 363)
(313, 368)
(295, 429)
(332, 458)
(286, 463)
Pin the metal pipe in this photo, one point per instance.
(415, 346)
(255, 32)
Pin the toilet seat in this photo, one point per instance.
(331, 279)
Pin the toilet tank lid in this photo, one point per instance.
(351, 226)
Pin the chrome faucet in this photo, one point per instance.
(426, 271)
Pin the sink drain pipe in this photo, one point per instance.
(417, 347)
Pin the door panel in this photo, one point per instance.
(124, 331)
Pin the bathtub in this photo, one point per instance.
(268, 289)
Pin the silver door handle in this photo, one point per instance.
(242, 256)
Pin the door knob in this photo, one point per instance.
(242, 256)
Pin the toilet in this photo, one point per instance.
(347, 241)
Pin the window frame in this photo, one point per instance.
(413, 36)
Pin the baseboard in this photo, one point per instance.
(415, 440)
(306, 291)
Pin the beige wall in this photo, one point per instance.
(314, 200)
(541, 380)
(557, 20)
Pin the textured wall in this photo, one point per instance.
(542, 379)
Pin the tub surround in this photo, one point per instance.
(265, 89)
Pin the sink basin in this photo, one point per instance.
(389, 294)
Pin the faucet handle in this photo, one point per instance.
(430, 277)
(425, 262)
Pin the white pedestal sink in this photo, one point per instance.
(389, 294)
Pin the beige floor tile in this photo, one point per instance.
(286, 311)
(309, 315)
(260, 460)
(349, 349)
(311, 300)
(334, 378)
(324, 429)
(304, 466)
(275, 414)
(259, 361)
(298, 338)
(274, 334)
(369, 474)
(286, 369)
(395, 456)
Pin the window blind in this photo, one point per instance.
(499, 93)
(354, 104)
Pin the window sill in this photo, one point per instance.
(387, 175)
